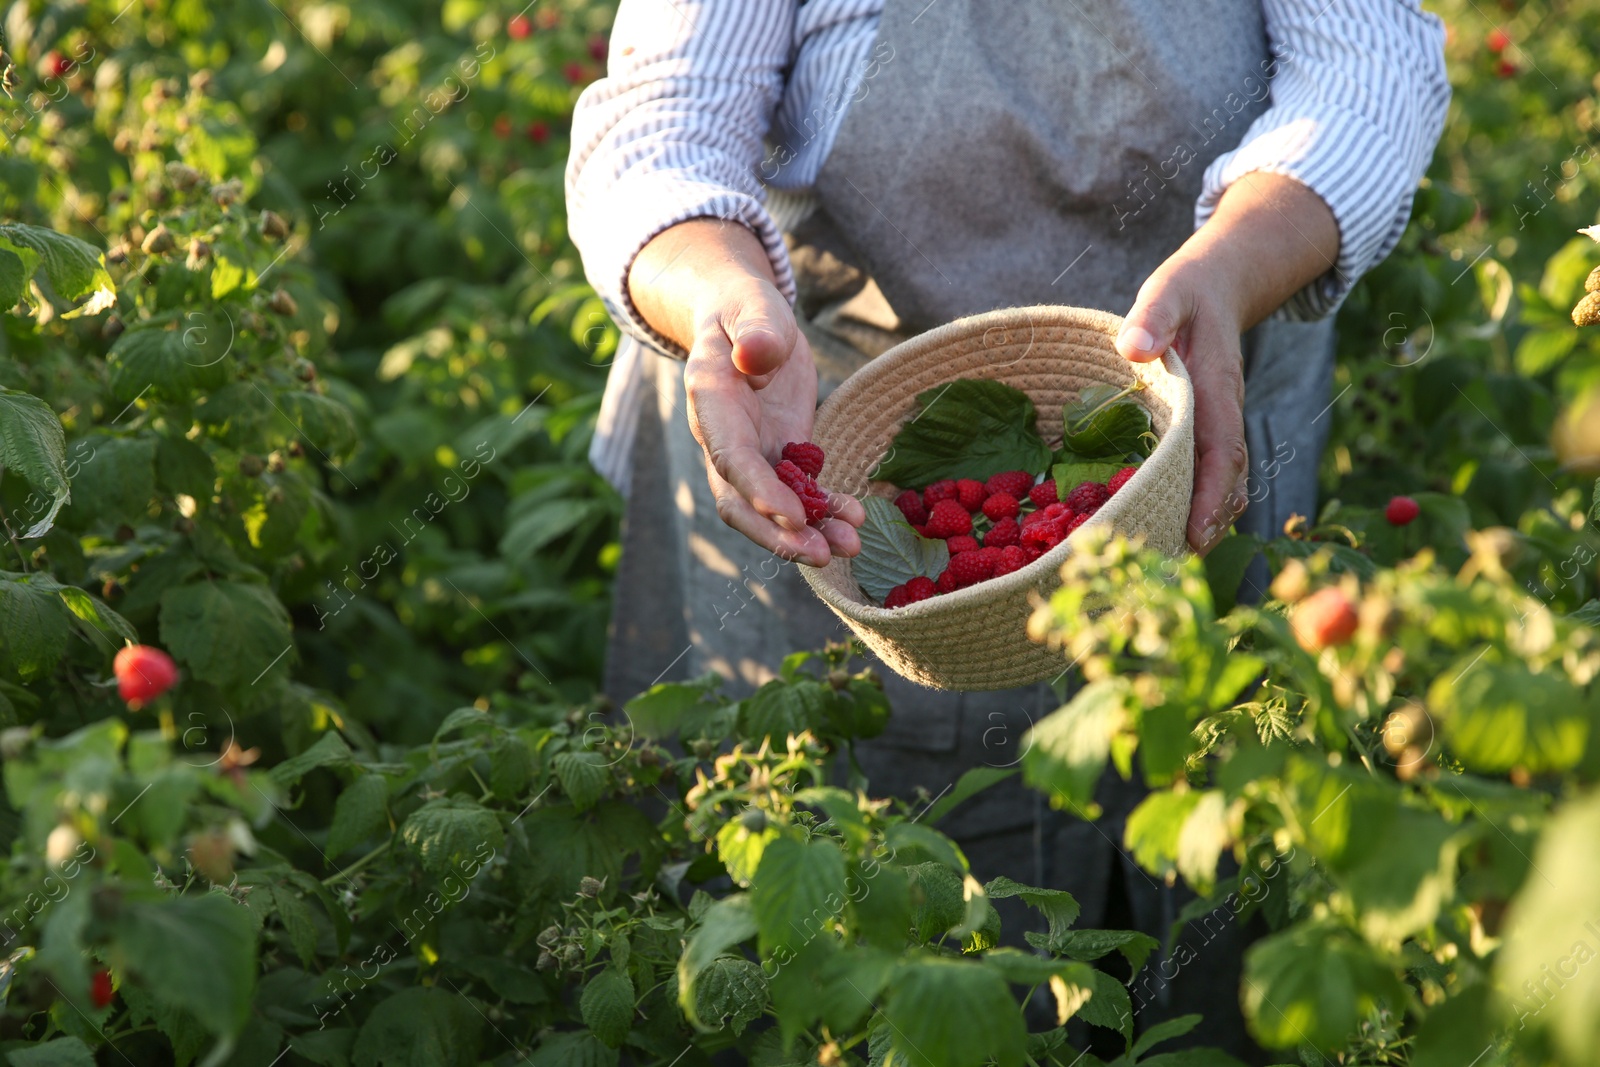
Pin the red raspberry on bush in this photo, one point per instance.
(1323, 619)
(911, 506)
(598, 47)
(1402, 511)
(805, 455)
(1497, 40)
(538, 132)
(945, 490)
(812, 496)
(971, 494)
(1044, 494)
(519, 26)
(1003, 533)
(1017, 483)
(100, 991)
(1088, 497)
(143, 673)
(1120, 479)
(1012, 558)
(948, 518)
(1001, 506)
(962, 543)
(55, 65)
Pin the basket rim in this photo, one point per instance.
(1032, 576)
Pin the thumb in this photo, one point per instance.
(763, 332)
(1152, 326)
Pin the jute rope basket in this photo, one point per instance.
(976, 638)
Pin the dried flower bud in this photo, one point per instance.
(1587, 313)
(282, 303)
(157, 240)
(272, 225)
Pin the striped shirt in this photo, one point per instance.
(710, 108)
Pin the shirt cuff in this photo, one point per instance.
(1351, 164)
(640, 208)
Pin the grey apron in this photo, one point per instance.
(1012, 154)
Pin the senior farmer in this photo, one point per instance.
(767, 193)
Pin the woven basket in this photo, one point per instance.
(976, 638)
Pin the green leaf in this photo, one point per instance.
(117, 481)
(1060, 907)
(360, 812)
(1540, 350)
(447, 830)
(74, 268)
(1109, 1006)
(1498, 715)
(34, 628)
(184, 467)
(1098, 424)
(573, 1048)
(538, 526)
(324, 421)
(583, 777)
(197, 953)
(33, 445)
(329, 750)
(607, 1006)
(932, 1005)
(892, 553)
(1400, 886)
(1065, 752)
(1456, 1031)
(969, 785)
(1225, 566)
(726, 923)
(730, 994)
(666, 708)
(94, 612)
(297, 922)
(740, 848)
(1154, 827)
(174, 364)
(1089, 945)
(880, 904)
(938, 901)
(1072, 471)
(17, 264)
(1552, 929)
(799, 887)
(1192, 1057)
(779, 709)
(62, 1052)
(965, 429)
(1164, 1031)
(1315, 983)
(1342, 811)
(1201, 841)
(421, 1027)
(227, 633)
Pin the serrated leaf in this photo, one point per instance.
(33, 445)
(359, 812)
(740, 848)
(968, 428)
(197, 953)
(17, 264)
(329, 750)
(1065, 752)
(1456, 1031)
(324, 421)
(34, 628)
(172, 363)
(607, 1006)
(892, 553)
(445, 831)
(184, 467)
(799, 887)
(1153, 829)
(573, 1048)
(116, 482)
(1109, 1006)
(724, 924)
(62, 1052)
(931, 1008)
(779, 709)
(96, 613)
(1090, 945)
(1497, 715)
(1059, 907)
(583, 777)
(73, 268)
(295, 915)
(227, 633)
(421, 1027)
(938, 904)
(1400, 886)
(1098, 425)
(730, 994)
(1314, 983)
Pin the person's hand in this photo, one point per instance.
(1268, 237)
(752, 388)
(751, 384)
(1189, 308)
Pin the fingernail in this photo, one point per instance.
(1137, 338)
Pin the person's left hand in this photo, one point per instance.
(1189, 306)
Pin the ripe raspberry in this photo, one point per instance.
(945, 490)
(1003, 533)
(1012, 558)
(100, 991)
(920, 588)
(1043, 535)
(1402, 511)
(970, 568)
(1033, 551)
(947, 581)
(1323, 619)
(519, 27)
(1497, 40)
(1072, 523)
(1017, 483)
(1120, 479)
(948, 518)
(962, 543)
(1044, 494)
(897, 598)
(1001, 506)
(911, 506)
(971, 494)
(805, 455)
(1088, 497)
(143, 673)
(811, 495)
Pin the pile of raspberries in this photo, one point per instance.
(1018, 522)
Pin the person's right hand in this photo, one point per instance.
(750, 381)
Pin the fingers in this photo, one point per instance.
(722, 417)
(803, 545)
(763, 331)
(1155, 321)
(1222, 461)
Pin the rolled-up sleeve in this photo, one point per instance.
(1358, 101)
(675, 131)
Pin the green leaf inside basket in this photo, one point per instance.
(968, 428)
(892, 553)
